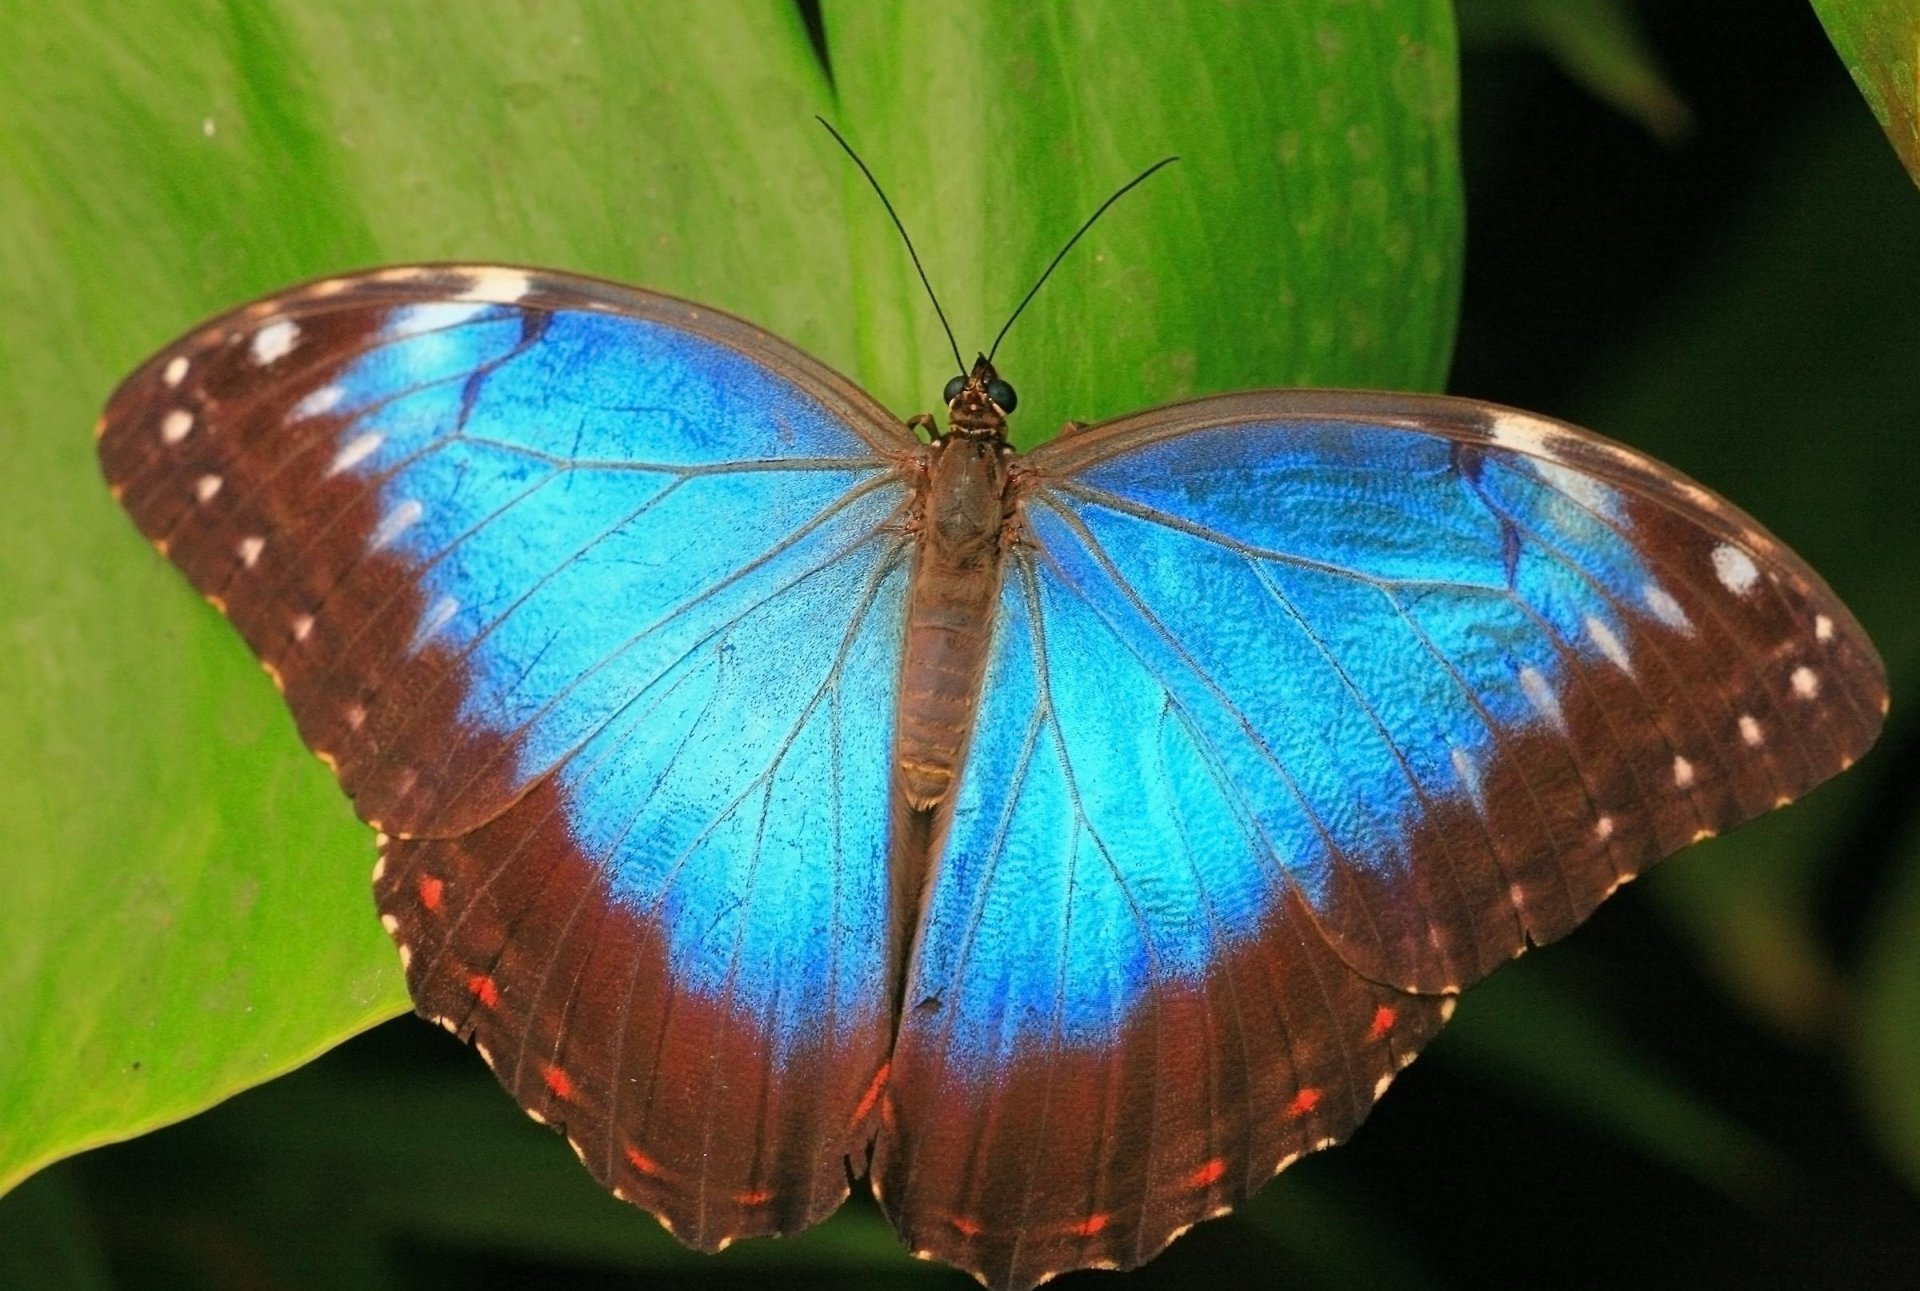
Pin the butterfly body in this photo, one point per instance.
(1069, 840)
(963, 522)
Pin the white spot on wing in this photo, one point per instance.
(1682, 773)
(1521, 433)
(275, 341)
(250, 548)
(1665, 608)
(436, 316)
(1539, 693)
(356, 451)
(1603, 828)
(1469, 774)
(302, 626)
(176, 371)
(175, 426)
(206, 487)
(498, 286)
(1735, 569)
(1609, 644)
(438, 616)
(1806, 682)
(391, 924)
(1750, 731)
(1822, 627)
(379, 868)
(325, 399)
(396, 522)
(1582, 488)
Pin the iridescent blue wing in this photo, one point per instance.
(593, 599)
(1304, 712)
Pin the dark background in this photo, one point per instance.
(1746, 284)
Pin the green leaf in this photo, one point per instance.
(1879, 40)
(188, 909)
(1309, 236)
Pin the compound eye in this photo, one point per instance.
(1002, 395)
(954, 387)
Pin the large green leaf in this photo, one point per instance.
(1879, 40)
(187, 906)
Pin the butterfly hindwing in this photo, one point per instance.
(1306, 711)
(593, 598)
(1091, 1039)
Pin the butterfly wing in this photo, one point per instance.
(1303, 712)
(593, 599)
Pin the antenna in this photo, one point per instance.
(915, 255)
(1124, 189)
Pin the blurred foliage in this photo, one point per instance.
(1720, 1083)
(1598, 43)
(1886, 1028)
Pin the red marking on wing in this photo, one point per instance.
(641, 1161)
(872, 1096)
(754, 1197)
(484, 990)
(559, 1082)
(431, 890)
(1382, 1023)
(1303, 1102)
(1207, 1174)
(966, 1227)
(1090, 1225)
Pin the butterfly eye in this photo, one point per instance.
(954, 387)
(1002, 395)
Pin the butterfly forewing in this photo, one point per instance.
(593, 599)
(1305, 711)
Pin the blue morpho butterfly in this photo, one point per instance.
(1070, 840)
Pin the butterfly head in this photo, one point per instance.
(978, 403)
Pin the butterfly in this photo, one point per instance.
(1067, 840)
